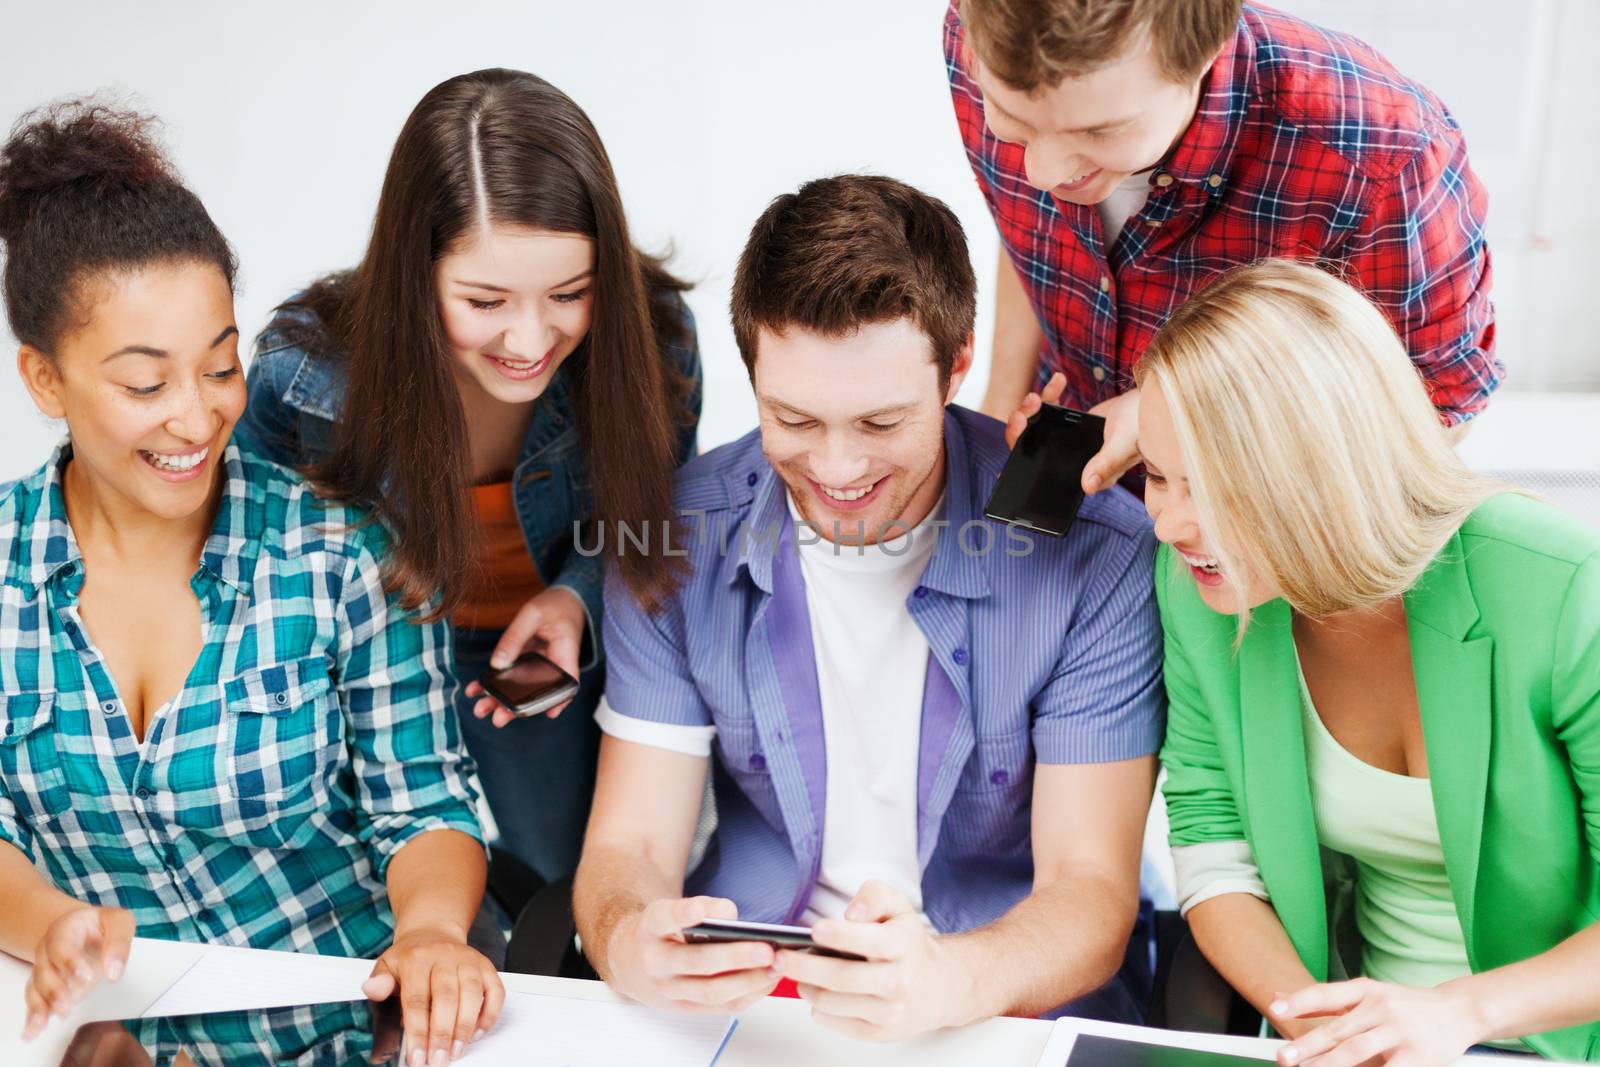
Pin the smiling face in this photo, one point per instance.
(854, 425)
(514, 303)
(150, 386)
(1086, 134)
(1168, 500)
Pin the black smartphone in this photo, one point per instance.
(531, 685)
(1041, 485)
(723, 931)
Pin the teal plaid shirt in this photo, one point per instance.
(313, 738)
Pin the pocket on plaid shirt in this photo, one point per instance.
(282, 722)
(34, 776)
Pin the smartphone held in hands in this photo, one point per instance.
(1041, 486)
(722, 931)
(530, 686)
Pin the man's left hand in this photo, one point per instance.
(907, 985)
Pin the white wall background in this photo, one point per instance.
(282, 115)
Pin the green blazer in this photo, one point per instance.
(1505, 644)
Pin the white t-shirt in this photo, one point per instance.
(872, 662)
(1124, 203)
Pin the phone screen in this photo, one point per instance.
(1041, 486)
(531, 683)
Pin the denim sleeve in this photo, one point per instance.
(685, 358)
(269, 425)
(1104, 701)
(585, 577)
(395, 684)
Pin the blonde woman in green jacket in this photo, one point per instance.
(1383, 746)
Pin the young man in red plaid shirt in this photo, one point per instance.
(1132, 150)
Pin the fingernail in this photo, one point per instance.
(457, 1049)
(439, 1058)
(477, 1035)
(419, 1057)
(1289, 1054)
(855, 912)
(1094, 482)
(1278, 1007)
(499, 662)
(114, 971)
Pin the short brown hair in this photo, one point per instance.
(1035, 44)
(851, 251)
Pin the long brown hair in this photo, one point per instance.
(401, 448)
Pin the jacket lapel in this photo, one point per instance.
(1454, 676)
(1277, 800)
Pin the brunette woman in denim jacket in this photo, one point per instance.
(504, 380)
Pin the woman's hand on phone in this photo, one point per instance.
(79, 949)
(552, 623)
(1120, 452)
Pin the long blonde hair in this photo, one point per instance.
(1312, 448)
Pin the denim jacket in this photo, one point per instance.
(295, 399)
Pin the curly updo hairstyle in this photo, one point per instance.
(85, 190)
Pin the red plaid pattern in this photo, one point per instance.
(1307, 144)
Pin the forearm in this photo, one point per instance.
(1019, 965)
(1244, 940)
(28, 904)
(1014, 360)
(436, 882)
(1552, 990)
(614, 883)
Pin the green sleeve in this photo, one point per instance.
(1575, 691)
(1199, 794)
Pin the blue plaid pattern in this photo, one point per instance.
(314, 737)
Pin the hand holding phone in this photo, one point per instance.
(531, 685)
(647, 957)
(1040, 487)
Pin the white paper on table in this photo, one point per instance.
(248, 979)
(538, 1030)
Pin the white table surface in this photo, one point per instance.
(773, 1033)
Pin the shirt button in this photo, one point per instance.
(999, 778)
(1099, 374)
(960, 656)
(280, 698)
(142, 793)
(1105, 283)
(109, 707)
(1214, 181)
(1153, 223)
(1163, 180)
(206, 916)
(920, 591)
(752, 480)
(758, 762)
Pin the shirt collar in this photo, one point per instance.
(1204, 153)
(229, 553)
(957, 565)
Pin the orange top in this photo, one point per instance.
(505, 578)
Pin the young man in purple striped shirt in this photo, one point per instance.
(930, 737)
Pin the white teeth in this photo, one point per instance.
(1205, 563)
(177, 463)
(847, 495)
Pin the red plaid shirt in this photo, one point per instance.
(1307, 144)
